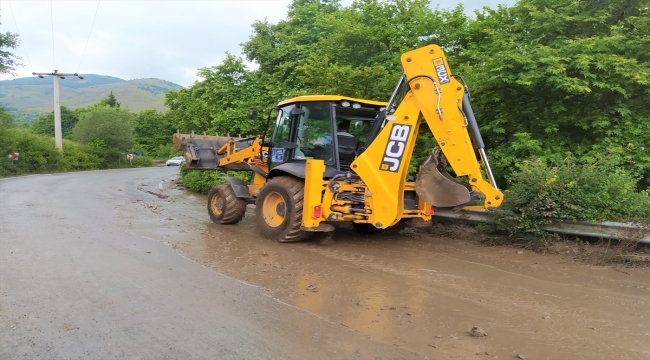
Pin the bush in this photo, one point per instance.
(103, 133)
(141, 161)
(539, 194)
(38, 154)
(76, 157)
(203, 180)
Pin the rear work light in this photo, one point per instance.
(317, 212)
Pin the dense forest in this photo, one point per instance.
(560, 87)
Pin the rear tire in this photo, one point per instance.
(224, 207)
(278, 209)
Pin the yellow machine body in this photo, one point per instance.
(374, 190)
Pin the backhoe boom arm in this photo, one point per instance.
(445, 106)
(434, 95)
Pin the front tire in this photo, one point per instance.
(224, 207)
(278, 209)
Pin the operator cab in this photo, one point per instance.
(329, 128)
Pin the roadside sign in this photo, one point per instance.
(129, 156)
(13, 155)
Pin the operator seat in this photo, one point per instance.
(347, 151)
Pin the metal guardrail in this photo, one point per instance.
(605, 230)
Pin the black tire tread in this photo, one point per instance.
(296, 189)
(234, 209)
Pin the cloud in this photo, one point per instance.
(133, 39)
(168, 40)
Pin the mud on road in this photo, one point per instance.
(425, 292)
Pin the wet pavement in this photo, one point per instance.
(123, 264)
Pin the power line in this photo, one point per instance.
(52, 21)
(18, 31)
(90, 33)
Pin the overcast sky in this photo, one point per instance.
(167, 40)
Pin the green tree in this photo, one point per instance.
(153, 129)
(220, 103)
(45, 123)
(556, 76)
(280, 48)
(323, 47)
(361, 56)
(186, 109)
(8, 59)
(6, 119)
(110, 100)
(111, 127)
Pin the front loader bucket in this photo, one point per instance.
(201, 151)
(435, 186)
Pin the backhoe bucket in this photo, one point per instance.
(435, 186)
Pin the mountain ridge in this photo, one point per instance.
(29, 97)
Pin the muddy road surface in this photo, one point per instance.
(124, 264)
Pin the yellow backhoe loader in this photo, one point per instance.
(340, 159)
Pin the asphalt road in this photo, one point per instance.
(123, 264)
(75, 282)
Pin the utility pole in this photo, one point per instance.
(58, 136)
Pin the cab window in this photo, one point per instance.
(314, 133)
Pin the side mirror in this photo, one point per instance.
(297, 111)
(252, 114)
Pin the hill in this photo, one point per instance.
(27, 98)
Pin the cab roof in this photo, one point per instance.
(330, 98)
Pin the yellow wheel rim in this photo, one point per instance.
(217, 204)
(274, 209)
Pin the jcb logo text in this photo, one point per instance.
(399, 134)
